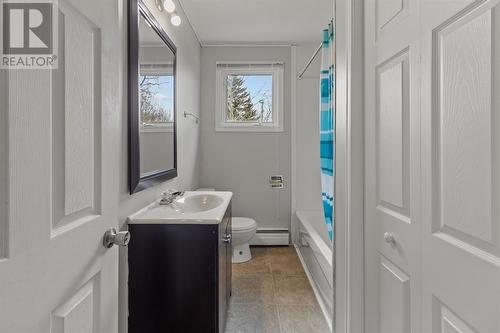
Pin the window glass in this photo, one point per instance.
(249, 98)
(156, 98)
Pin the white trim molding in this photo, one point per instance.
(293, 153)
(349, 166)
(157, 128)
(4, 165)
(238, 44)
(271, 237)
(317, 293)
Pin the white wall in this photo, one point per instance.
(307, 188)
(188, 98)
(242, 162)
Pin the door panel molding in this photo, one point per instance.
(463, 127)
(446, 321)
(389, 12)
(80, 312)
(76, 116)
(461, 254)
(395, 306)
(392, 135)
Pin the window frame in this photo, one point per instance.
(224, 69)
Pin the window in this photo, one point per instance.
(249, 97)
(156, 89)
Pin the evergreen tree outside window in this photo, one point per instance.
(249, 97)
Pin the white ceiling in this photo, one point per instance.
(258, 21)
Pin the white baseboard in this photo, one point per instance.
(322, 305)
(271, 237)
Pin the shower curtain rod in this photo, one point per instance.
(310, 62)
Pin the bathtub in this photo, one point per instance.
(316, 253)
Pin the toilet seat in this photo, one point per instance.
(243, 224)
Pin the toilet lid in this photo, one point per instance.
(243, 223)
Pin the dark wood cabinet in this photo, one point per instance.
(179, 277)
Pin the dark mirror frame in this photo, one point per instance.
(136, 183)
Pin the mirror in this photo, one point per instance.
(152, 111)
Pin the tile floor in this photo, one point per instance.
(271, 294)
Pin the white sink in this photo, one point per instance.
(194, 207)
(197, 203)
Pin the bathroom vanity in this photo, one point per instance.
(179, 260)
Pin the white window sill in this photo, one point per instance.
(157, 128)
(247, 128)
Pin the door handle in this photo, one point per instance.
(227, 238)
(111, 237)
(390, 239)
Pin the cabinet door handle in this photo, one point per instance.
(227, 239)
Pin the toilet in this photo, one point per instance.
(243, 230)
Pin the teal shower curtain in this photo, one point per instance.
(327, 127)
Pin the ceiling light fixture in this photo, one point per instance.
(175, 20)
(169, 6)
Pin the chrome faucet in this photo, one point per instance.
(168, 197)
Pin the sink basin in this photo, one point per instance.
(197, 203)
(194, 207)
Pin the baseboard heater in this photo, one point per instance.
(271, 236)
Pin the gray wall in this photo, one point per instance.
(240, 161)
(188, 98)
(155, 54)
(308, 186)
(308, 178)
(157, 150)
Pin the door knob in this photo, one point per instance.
(111, 237)
(390, 239)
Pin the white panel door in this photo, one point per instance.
(392, 171)
(461, 165)
(62, 161)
